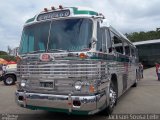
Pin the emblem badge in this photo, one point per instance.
(45, 57)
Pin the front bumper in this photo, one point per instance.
(62, 103)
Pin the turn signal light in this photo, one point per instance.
(82, 55)
(91, 88)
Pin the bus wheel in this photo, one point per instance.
(112, 99)
(9, 80)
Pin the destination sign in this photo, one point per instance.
(54, 14)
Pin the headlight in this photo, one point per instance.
(78, 85)
(84, 86)
(23, 83)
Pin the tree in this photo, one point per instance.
(7, 57)
(142, 36)
(3, 53)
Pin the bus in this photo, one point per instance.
(71, 60)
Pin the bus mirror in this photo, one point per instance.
(94, 41)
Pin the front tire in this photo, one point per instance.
(9, 80)
(112, 99)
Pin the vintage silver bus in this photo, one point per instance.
(73, 61)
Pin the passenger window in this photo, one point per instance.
(118, 44)
(109, 43)
(133, 52)
(127, 49)
(102, 38)
(99, 38)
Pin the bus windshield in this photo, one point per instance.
(57, 36)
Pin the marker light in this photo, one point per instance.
(53, 8)
(91, 88)
(82, 55)
(45, 9)
(60, 7)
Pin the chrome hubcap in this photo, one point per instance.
(112, 95)
(9, 80)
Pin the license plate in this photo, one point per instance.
(46, 84)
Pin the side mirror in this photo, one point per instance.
(93, 41)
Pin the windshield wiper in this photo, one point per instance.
(57, 50)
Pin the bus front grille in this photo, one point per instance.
(64, 73)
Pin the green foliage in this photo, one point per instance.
(142, 36)
(3, 53)
(7, 57)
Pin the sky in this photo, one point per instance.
(125, 15)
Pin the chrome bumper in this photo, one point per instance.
(62, 103)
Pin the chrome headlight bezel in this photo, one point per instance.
(78, 85)
(23, 83)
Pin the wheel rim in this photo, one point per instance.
(112, 96)
(9, 80)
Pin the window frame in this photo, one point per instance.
(112, 36)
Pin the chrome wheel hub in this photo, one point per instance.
(9, 80)
(112, 96)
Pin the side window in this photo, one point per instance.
(133, 52)
(109, 41)
(102, 38)
(127, 49)
(118, 44)
(99, 38)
